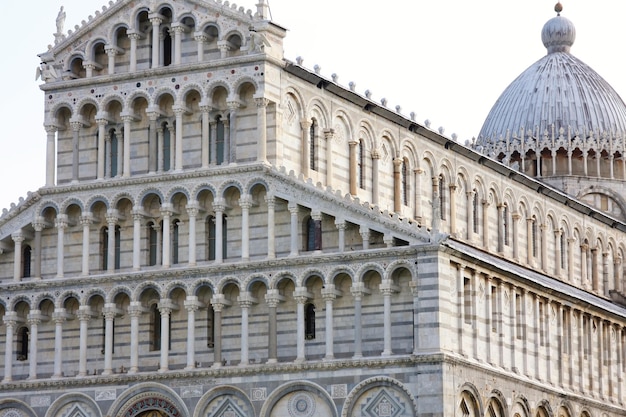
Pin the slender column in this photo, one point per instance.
(153, 116)
(261, 105)
(18, 239)
(460, 307)
(60, 223)
(127, 128)
(134, 311)
(160, 141)
(365, 236)
(213, 144)
(560, 341)
(605, 273)
(304, 148)
(218, 305)
(102, 125)
(544, 247)
(397, 185)
(489, 322)
(86, 220)
(76, 125)
(245, 302)
(585, 162)
(245, 202)
(501, 228)
(165, 308)
(618, 273)
(548, 339)
(111, 253)
(595, 278)
(34, 319)
(89, 67)
(569, 162)
(600, 350)
(375, 183)
(226, 151)
(486, 223)
(537, 321)
(108, 161)
(470, 214)
(329, 135)
(558, 255)
(570, 259)
(293, 209)
(620, 363)
(452, 193)
(529, 240)
(39, 224)
(328, 295)
(201, 38)
(584, 277)
(134, 37)
(166, 212)
(271, 226)
(206, 127)
(353, 166)
(513, 324)
(178, 30)
(219, 206)
(178, 163)
(524, 329)
(59, 316)
(300, 295)
(436, 205)
(156, 21)
(84, 315)
(272, 298)
(612, 169)
(581, 353)
(418, 193)
(341, 228)
(515, 217)
(137, 219)
(111, 53)
(10, 322)
(192, 212)
(159, 243)
(233, 106)
(120, 157)
(192, 305)
(500, 321)
(387, 289)
(50, 155)
(109, 317)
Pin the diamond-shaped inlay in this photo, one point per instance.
(384, 405)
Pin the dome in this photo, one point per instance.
(558, 91)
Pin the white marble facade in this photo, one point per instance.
(213, 240)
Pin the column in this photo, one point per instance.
(581, 353)
(165, 308)
(329, 135)
(515, 217)
(160, 140)
(137, 219)
(245, 202)
(605, 273)
(109, 313)
(50, 154)
(584, 277)
(206, 127)
(39, 224)
(59, 316)
(60, 223)
(470, 214)
(544, 247)
(387, 288)
(84, 315)
(618, 272)
(529, 240)
(364, 231)
(272, 298)
(156, 21)
(178, 29)
(416, 318)
(500, 228)
(300, 295)
(261, 105)
(134, 37)
(569, 162)
(233, 106)
(218, 305)
(328, 295)
(219, 206)
(397, 185)
(127, 119)
(293, 209)
(201, 38)
(192, 211)
(513, 327)
(86, 220)
(418, 193)
(358, 290)
(10, 321)
(213, 144)
(34, 319)
(111, 52)
(102, 125)
(153, 116)
(178, 147)
(352, 143)
(486, 223)
(192, 305)
(341, 228)
(304, 147)
(595, 278)
(226, 152)
(375, 182)
(134, 311)
(112, 218)
(452, 193)
(76, 125)
(558, 255)
(166, 212)
(245, 302)
(271, 226)
(18, 238)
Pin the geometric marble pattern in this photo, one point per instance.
(383, 405)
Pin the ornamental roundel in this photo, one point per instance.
(301, 404)
(152, 403)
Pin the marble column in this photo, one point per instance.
(272, 298)
(135, 310)
(156, 21)
(329, 135)
(245, 203)
(18, 239)
(364, 231)
(86, 221)
(261, 104)
(178, 29)
(358, 290)
(61, 224)
(375, 181)
(84, 315)
(134, 37)
(34, 320)
(352, 152)
(293, 209)
(470, 214)
(271, 226)
(102, 125)
(219, 206)
(109, 313)
(192, 212)
(166, 212)
(127, 119)
(329, 294)
(341, 229)
(201, 38)
(179, 111)
(39, 224)
(50, 155)
(59, 316)
(192, 304)
(233, 107)
(387, 288)
(153, 116)
(10, 322)
(76, 126)
(165, 308)
(245, 300)
(515, 234)
(304, 147)
(137, 220)
(206, 137)
(300, 296)
(218, 303)
(397, 185)
(112, 218)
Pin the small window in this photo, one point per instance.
(210, 328)
(361, 164)
(26, 261)
(313, 132)
(175, 241)
(405, 184)
(22, 344)
(475, 215)
(155, 327)
(152, 244)
(167, 148)
(505, 224)
(114, 154)
(442, 197)
(309, 321)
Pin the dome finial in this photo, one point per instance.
(558, 8)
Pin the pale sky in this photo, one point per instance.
(447, 61)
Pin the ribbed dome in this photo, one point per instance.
(558, 91)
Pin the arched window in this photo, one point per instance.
(153, 246)
(167, 148)
(167, 47)
(22, 344)
(534, 236)
(563, 245)
(313, 132)
(309, 321)
(118, 246)
(210, 237)
(104, 247)
(505, 223)
(26, 261)
(155, 327)
(442, 197)
(313, 234)
(210, 328)
(475, 216)
(219, 140)
(405, 185)
(224, 236)
(175, 241)
(114, 154)
(361, 164)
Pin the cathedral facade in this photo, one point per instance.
(226, 233)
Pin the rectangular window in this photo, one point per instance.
(467, 300)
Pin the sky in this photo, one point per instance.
(446, 61)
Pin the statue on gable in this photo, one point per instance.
(60, 23)
(257, 42)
